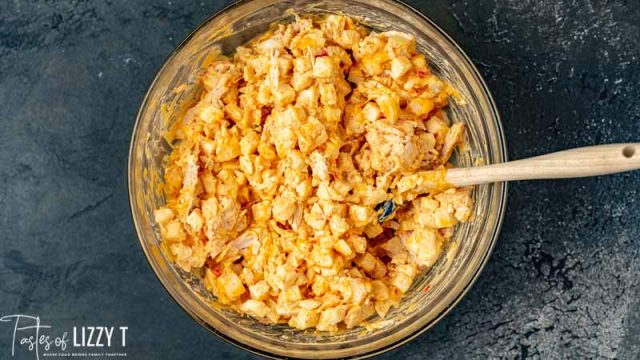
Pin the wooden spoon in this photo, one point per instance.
(581, 162)
(574, 163)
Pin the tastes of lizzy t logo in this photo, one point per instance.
(31, 335)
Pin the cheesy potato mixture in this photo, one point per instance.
(283, 169)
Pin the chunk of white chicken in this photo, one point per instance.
(424, 246)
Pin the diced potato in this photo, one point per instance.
(327, 242)
(207, 146)
(308, 98)
(301, 80)
(320, 285)
(366, 262)
(338, 225)
(322, 257)
(330, 300)
(261, 211)
(373, 229)
(267, 150)
(231, 285)
(283, 207)
(173, 231)
(292, 294)
(328, 95)
(354, 272)
(248, 277)
(380, 291)
(374, 64)
(342, 286)
(210, 208)
(259, 290)
(195, 221)
(210, 281)
(410, 269)
(311, 134)
(435, 85)
(443, 218)
(163, 215)
(319, 166)
(324, 67)
(309, 304)
(358, 314)
(264, 96)
(355, 74)
(401, 281)
(347, 38)
(246, 164)
(209, 182)
(227, 146)
(334, 24)
(419, 61)
(315, 217)
(370, 195)
(393, 247)
(312, 39)
(283, 130)
(379, 271)
(399, 66)
(359, 291)
(330, 318)
(333, 145)
(233, 112)
(331, 208)
(343, 248)
(389, 104)
(420, 106)
(382, 307)
(304, 319)
(302, 64)
(210, 114)
(304, 188)
(401, 43)
(435, 125)
(371, 112)
(249, 142)
(342, 187)
(358, 243)
(332, 114)
(182, 254)
(284, 95)
(255, 308)
(360, 215)
(285, 309)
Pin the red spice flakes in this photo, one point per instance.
(245, 295)
(322, 52)
(210, 263)
(217, 270)
(266, 111)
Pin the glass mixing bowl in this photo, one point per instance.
(434, 293)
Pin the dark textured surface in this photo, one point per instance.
(562, 282)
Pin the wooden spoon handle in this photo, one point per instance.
(581, 162)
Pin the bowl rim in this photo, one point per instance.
(502, 188)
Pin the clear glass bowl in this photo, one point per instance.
(434, 293)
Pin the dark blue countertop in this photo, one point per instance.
(562, 281)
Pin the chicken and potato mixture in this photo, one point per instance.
(276, 185)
